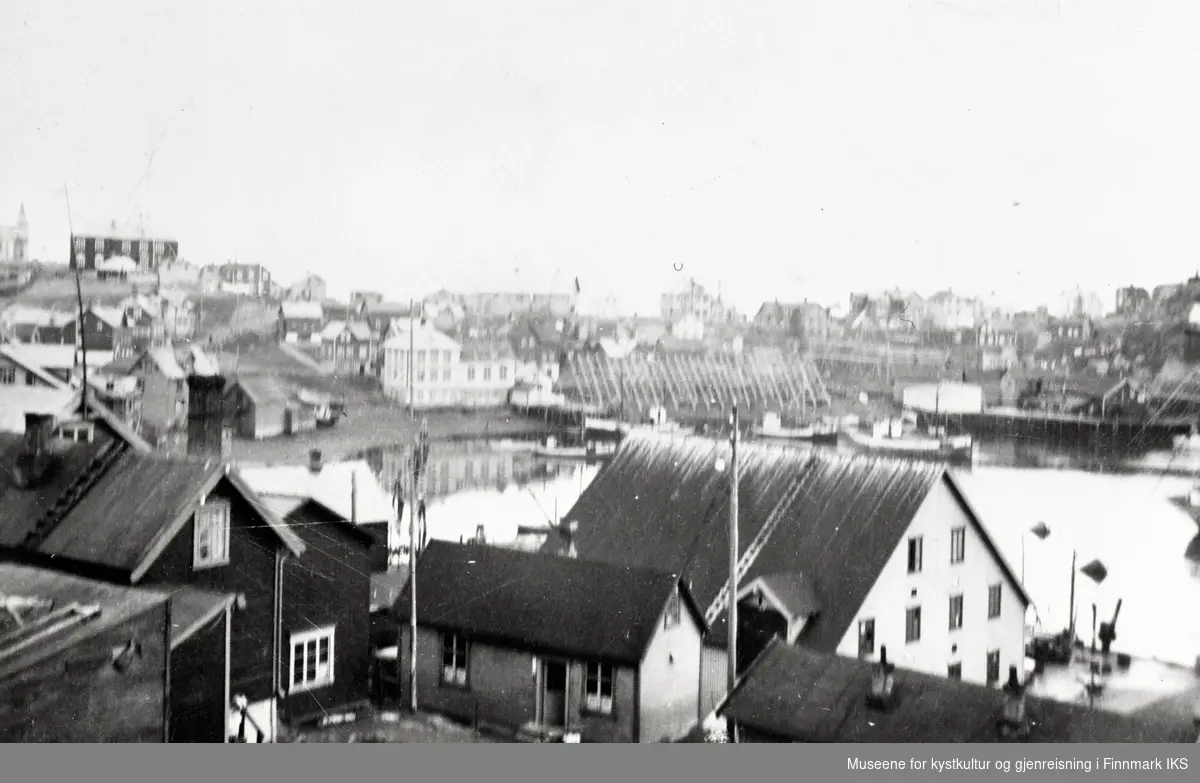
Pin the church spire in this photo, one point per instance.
(21, 217)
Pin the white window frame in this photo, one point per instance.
(458, 673)
(307, 642)
(595, 700)
(8, 376)
(958, 544)
(674, 610)
(218, 542)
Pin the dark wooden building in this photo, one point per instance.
(81, 660)
(87, 248)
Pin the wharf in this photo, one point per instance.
(1065, 429)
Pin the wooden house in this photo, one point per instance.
(256, 407)
(873, 552)
(120, 513)
(379, 315)
(164, 390)
(25, 387)
(300, 321)
(795, 694)
(542, 645)
(351, 347)
(103, 329)
(81, 660)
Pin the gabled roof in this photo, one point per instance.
(192, 609)
(113, 316)
(132, 505)
(391, 309)
(261, 389)
(163, 357)
(116, 605)
(802, 695)
(28, 361)
(359, 330)
(424, 338)
(308, 311)
(543, 602)
(660, 502)
(332, 487)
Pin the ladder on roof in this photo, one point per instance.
(95, 469)
(753, 550)
(56, 621)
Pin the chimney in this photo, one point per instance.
(31, 464)
(883, 682)
(1013, 721)
(314, 461)
(206, 417)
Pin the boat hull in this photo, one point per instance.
(925, 448)
(803, 434)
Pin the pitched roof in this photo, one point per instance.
(796, 693)
(192, 609)
(331, 487)
(117, 605)
(17, 354)
(262, 389)
(113, 316)
(389, 308)
(358, 330)
(163, 357)
(424, 338)
(311, 311)
(132, 505)
(660, 502)
(541, 601)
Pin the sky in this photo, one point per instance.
(781, 149)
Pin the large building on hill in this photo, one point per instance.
(842, 554)
(89, 247)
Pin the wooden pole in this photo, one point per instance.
(733, 559)
(412, 520)
(79, 328)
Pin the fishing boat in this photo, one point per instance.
(513, 446)
(890, 437)
(607, 426)
(818, 432)
(591, 450)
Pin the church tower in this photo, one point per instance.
(21, 238)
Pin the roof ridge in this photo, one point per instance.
(96, 468)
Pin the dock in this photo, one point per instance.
(1066, 429)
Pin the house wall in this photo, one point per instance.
(329, 585)
(250, 572)
(148, 252)
(197, 697)
(164, 401)
(77, 696)
(670, 681)
(298, 329)
(714, 678)
(98, 334)
(896, 590)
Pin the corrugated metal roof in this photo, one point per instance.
(540, 601)
(661, 502)
(800, 694)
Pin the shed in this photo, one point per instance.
(256, 406)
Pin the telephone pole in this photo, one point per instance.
(412, 519)
(733, 560)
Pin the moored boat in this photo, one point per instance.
(890, 438)
(609, 426)
(818, 432)
(591, 450)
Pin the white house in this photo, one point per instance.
(446, 375)
(25, 387)
(841, 554)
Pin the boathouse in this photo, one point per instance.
(539, 645)
(842, 554)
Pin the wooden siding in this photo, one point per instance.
(250, 572)
(714, 673)
(669, 702)
(329, 585)
(198, 708)
(77, 696)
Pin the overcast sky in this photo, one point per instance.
(784, 148)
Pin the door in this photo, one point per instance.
(554, 694)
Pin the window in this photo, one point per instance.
(312, 659)
(598, 688)
(446, 374)
(993, 602)
(470, 373)
(454, 660)
(433, 357)
(956, 612)
(420, 376)
(446, 357)
(420, 357)
(212, 534)
(487, 373)
(503, 373)
(954, 671)
(912, 625)
(671, 619)
(993, 667)
(8, 375)
(866, 638)
(30, 379)
(916, 553)
(958, 545)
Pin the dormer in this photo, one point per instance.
(211, 534)
(882, 695)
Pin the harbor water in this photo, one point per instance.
(1117, 509)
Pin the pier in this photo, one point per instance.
(1065, 429)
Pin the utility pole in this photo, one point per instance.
(733, 561)
(412, 520)
(79, 328)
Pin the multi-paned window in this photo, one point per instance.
(916, 554)
(8, 376)
(598, 688)
(993, 601)
(912, 625)
(312, 659)
(993, 667)
(956, 612)
(211, 534)
(866, 638)
(454, 659)
(954, 671)
(958, 545)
